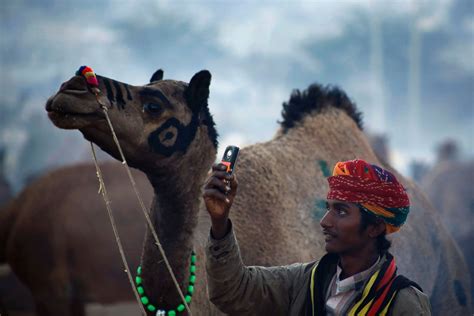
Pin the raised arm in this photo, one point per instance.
(234, 288)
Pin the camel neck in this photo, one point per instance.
(174, 215)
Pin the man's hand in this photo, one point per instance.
(219, 194)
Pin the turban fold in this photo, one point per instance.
(375, 189)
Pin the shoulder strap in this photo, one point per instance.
(321, 275)
(381, 289)
(383, 302)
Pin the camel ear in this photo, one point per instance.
(157, 76)
(197, 92)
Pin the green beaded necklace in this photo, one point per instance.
(187, 297)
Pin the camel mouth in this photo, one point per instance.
(70, 120)
(74, 91)
(75, 114)
(63, 116)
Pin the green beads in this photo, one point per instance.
(138, 280)
(145, 300)
(191, 289)
(187, 298)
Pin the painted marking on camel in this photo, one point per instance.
(119, 98)
(319, 209)
(324, 168)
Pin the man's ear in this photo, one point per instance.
(376, 229)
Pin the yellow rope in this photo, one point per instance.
(103, 192)
(144, 210)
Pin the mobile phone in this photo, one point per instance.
(230, 158)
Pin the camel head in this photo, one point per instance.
(157, 124)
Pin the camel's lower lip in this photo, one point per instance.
(67, 120)
(62, 113)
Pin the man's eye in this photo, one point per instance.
(152, 108)
(341, 212)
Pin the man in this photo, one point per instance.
(357, 276)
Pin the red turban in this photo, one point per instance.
(375, 189)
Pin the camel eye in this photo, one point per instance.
(153, 108)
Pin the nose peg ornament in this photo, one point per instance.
(91, 78)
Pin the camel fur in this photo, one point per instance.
(449, 187)
(58, 240)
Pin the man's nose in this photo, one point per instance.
(325, 222)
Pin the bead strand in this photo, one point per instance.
(173, 312)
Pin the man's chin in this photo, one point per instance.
(330, 248)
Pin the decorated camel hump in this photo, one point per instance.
(167, 132)
(58, 240)
(449, 187)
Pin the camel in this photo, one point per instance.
(449, 187)
(57, 238)
(5, 190)
(167, 132)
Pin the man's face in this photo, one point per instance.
(341, 228)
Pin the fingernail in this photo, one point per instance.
(227, 200)
(227, 188)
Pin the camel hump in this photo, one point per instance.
(314, 100)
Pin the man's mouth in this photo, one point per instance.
(328, 236)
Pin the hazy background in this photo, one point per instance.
(407, 64)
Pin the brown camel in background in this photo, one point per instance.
(449, 187)
(167, 132)
(5, 190)
(57, 237)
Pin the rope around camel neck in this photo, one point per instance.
(145, 213)
(105, 196)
